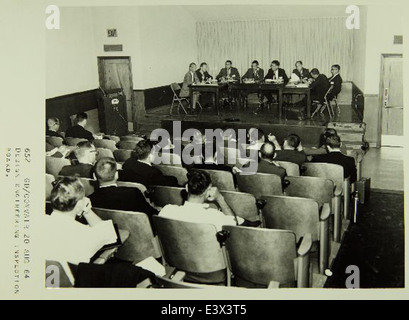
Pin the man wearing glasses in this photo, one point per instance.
(86, 155)
(335, 81)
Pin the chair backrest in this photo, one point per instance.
(179, 173)
(66, 278)
(116, 139)
(49, 179)
(131, 139)
(260, 184)
(139, 186)
(162, 196)
(73, 142)
(105, 144)
(190, 247)
(260, 256)
(54, 165)
(175, 87)
(141, 243)
(171, 159)
(318, 189)
(243, 205)
(122, 155)
(105, 153)
(223, 180)
(330, 171)
(292, 169)
(89, 186)
(299, 215)
(55, 141)
(127, 145)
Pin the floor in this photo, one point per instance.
(385, 168)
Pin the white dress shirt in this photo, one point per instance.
(199, 213)
(73, 242)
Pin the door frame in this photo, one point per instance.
(101, 75)
(381, 92)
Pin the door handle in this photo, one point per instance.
(386, 98)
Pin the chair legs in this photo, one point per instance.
(180, 104)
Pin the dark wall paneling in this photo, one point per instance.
(158, 97)
(65, 106)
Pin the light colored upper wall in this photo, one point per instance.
(168, 44)
(70, 57)
(384, 22)
(359, 52)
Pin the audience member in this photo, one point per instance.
(254, 73)
(53, 125)
(139, 168)
(335, 156)
(86, 155)
(69, 240)
(79, 131)
(267, 164)
(291, 151)
(335, 81)
(110, 196)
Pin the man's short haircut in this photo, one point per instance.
(52, 121)
(81, 117)
(299, 62)
(337, 66)
(255, 62)
(229, 61)
(315, 71)
(82, 147)
(276, 62)
(67, 192)
(192, 64)
(106, 169)
(203, 64)
(268, 151)
(199, 182)
(142, 150)
(293, 141)
(334, 142)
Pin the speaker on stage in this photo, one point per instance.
(112, 112)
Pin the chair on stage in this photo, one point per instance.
(326, 105)
(141, 243)
(192, 247)
(260, 184)
(262, 257)
(302, 216)
(177, 99)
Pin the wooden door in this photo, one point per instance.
(115, 73)
(392, 101)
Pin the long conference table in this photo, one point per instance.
(243, 89)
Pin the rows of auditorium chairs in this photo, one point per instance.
(294, 246)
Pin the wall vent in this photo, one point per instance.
(398, 40)
(114, 48)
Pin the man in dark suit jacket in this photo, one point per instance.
(267, 164)
(203, 74)
(255, 72)
(301, 72)
(291, 150)
(335, 81)
(110, 196)
(319, 87)
(53, 125)
(276, 73)
(79, 131)
(85, 154)
(229, 72)
(335, 156)
(139, 168)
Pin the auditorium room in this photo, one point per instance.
(236, 146)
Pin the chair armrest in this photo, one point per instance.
(325, 212)
(306, 245)
(273, 285)
(338, 192)
(175, 275)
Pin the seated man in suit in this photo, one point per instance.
(267, 164)
(319, 86)
(301, 72)
(335, 156)
(139, 168)
(196, 210)
(228, 73)
(190, 78)
(110, 196)
(292, 150)
(254, 73)
(277, 74)
(79, 131)
(53, 125)
(335, 81)
(86, 155)
(203, 74)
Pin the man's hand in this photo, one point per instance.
(215, 195)
(272, 138)
(300, 147)
(85, 207)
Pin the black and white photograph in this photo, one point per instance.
(224, 147)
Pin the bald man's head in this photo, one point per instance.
(53, 124)
(268, 151)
